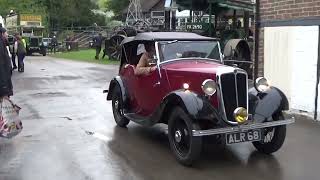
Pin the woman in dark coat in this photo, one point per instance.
(5, 66)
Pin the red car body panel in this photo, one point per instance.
(147, 91)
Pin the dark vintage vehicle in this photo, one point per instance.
(35, 44)
(196, 95)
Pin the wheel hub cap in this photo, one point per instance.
(178, 136)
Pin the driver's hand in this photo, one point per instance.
(152, 69)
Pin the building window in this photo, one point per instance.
(205, 19)
(157, 14)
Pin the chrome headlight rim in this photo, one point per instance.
(209, 83)
(262, 84)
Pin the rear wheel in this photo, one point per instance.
(273, 138)
(117, 108)
(186, 148)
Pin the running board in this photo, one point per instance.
(242, 128)
(145, 121)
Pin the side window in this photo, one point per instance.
(130, 54)
(140, 50)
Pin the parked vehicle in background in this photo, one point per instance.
(35, 44)
(46, 42)
(29, 26)
(196, 95)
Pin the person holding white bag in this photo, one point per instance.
(10, 123)
(5, 66)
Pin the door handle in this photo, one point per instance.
(156, 84)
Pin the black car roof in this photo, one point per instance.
(167, 36)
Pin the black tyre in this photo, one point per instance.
(117, 108)
(186, 148)
(273, 137)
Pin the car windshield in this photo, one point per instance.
(189, 49)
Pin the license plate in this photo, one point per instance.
(247, 136)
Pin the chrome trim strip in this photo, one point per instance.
(158, 57)
(241, 128)
(236, 61)
(229, 70)
(191, 58)
(236, 87)
(221, 57)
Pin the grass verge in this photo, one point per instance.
(84, 56)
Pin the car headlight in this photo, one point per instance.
(240, 115)
(209, 87)
(262, 84)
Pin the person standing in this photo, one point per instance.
(54, 44)
(13, 54)
(6, 89)
(98, 44)
(21, 53)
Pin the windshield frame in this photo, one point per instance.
(160, 55)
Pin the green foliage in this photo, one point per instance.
(56, 14)
(84, 56)
(117, 6)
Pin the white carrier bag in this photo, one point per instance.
(10, 123)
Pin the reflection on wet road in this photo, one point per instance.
(69, 133)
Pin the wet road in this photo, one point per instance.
(63, 103)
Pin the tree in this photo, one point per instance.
(117, 6)
(56, 14)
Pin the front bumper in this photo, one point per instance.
(34, 48)
(242, 128)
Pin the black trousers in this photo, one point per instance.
(21, 62)
(98, 50)
(13, 59)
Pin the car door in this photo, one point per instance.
(129, 80)
(149, 91)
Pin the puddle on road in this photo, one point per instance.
(99, 136)
(49, 94)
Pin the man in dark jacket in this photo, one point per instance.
(5, 66)
(98, 43)
(54, 44)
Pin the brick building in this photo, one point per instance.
(288, 49)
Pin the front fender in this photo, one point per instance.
(263, 105)
(117, 81)
(197, 107)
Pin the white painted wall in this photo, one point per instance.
(2, 21)
(290, 62)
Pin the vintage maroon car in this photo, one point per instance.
(196, 95)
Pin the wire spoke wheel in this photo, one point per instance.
(117, 108)
(181, 137)
(184, 145)
(114, 47)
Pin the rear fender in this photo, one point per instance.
(117, 81)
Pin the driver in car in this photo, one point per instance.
(144, 67)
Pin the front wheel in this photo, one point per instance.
(273, 138)
(186, 147)
(117, 108)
